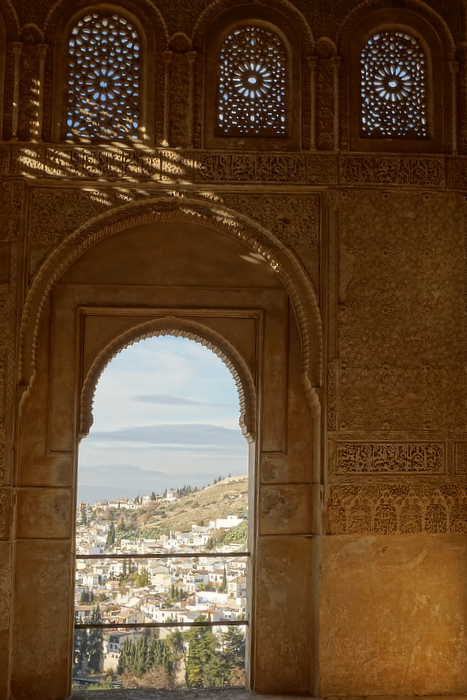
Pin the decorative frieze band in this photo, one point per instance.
(392, 170)
(396, 509)
(146, 164)
(393, 458)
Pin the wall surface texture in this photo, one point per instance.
(326, 266)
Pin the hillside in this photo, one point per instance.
(227, 497)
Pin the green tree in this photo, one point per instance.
(80, 652)
(111, 534)
(142, 579)
(84, 597)
(233, 644)
(223, 585)
(140, 657)
(95, 642)
(127, 657)
(153, 496)
(204, 666)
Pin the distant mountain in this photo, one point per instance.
(112, 481)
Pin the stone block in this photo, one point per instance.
(284, 622)
(286, 509)
(43, 608)
(44, 513)
(393, 615)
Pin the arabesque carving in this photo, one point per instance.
(461, 457)
(403, 458)
(325, 99)
(3, 514)
(11, 200)
(396, 509)
(393, 170)
(402, 295)
(46, 222)
(295, 220)
(301, 291)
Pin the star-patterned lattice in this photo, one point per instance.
(103, 78)
(393, 87)
(252, 84)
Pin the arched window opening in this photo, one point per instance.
(393, 87)
(252, 84)
(103, 100)
(163, 472)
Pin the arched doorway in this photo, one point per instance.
(189, 277)
(163, 478)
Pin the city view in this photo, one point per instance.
(139, 589)
(170, 555)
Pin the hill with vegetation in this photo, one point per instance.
(228, 496)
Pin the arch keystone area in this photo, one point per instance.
(179, 327)
(213, 215)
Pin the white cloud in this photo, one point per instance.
(168, 408)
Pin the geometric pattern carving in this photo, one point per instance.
(392, 458)
(103, 78)
(461, 457)
(252, 84)
(402, 295)
(47, 223)
(396, 509)
(11, 202)
(393, 90)
(3, 514)
(295, 220)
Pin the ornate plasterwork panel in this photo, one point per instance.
(389, 458)
(47, 225)
(294, 219)
(402, 317)
(396, 509)
(393, 170)
(161, 165)
(11, 194)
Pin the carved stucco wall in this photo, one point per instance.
(382, 240)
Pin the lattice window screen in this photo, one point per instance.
(103, 78)
(252, 84)
(393, 87)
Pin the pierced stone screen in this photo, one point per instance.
(393, 87)
(103, 78)
(252, 84)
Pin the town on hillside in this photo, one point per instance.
(115, 591)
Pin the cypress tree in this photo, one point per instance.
(95, 642)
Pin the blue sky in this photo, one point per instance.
(165, 414)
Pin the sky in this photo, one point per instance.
(165, 414)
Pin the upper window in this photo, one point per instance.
(252, 84)
(393, 87)
(396, 93)
(252, 80)
(103, 78)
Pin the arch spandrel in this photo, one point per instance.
(179, 327)
(281, 260)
